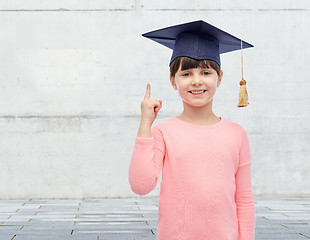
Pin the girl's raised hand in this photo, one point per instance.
(149, 107)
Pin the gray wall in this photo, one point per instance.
(73, 74)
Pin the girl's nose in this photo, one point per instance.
(196, 81)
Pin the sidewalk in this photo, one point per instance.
(132, 219)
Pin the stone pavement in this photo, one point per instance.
(132, 219)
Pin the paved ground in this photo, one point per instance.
(136, 218)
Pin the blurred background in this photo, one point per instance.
(73, 74)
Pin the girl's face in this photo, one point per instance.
(204, 80)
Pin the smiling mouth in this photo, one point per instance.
(197, 92)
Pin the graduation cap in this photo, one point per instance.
(201, 41)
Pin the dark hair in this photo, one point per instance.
(187, 63)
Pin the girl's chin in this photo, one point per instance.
(197, 104)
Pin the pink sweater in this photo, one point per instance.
(206, 190)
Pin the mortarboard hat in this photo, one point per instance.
(198, 40)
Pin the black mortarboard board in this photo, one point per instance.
(198, 40)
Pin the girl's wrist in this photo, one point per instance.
(145, 123)
(144, 131)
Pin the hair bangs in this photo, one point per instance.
(188, 63)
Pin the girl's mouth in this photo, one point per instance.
(197, 93)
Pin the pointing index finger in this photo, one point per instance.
(148, 92)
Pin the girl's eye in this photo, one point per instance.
(206, 73)
(185, 74)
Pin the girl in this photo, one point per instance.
(205, 160)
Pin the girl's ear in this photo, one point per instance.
(219, 80)
(172, 80)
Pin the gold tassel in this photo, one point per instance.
(243, 94)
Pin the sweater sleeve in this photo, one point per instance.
(244, 196)
(146, 162)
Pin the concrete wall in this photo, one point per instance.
(73, 74)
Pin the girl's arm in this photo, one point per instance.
(146, 162)
(244, 196)
(149, 150)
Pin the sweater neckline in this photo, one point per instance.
(199, 126)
